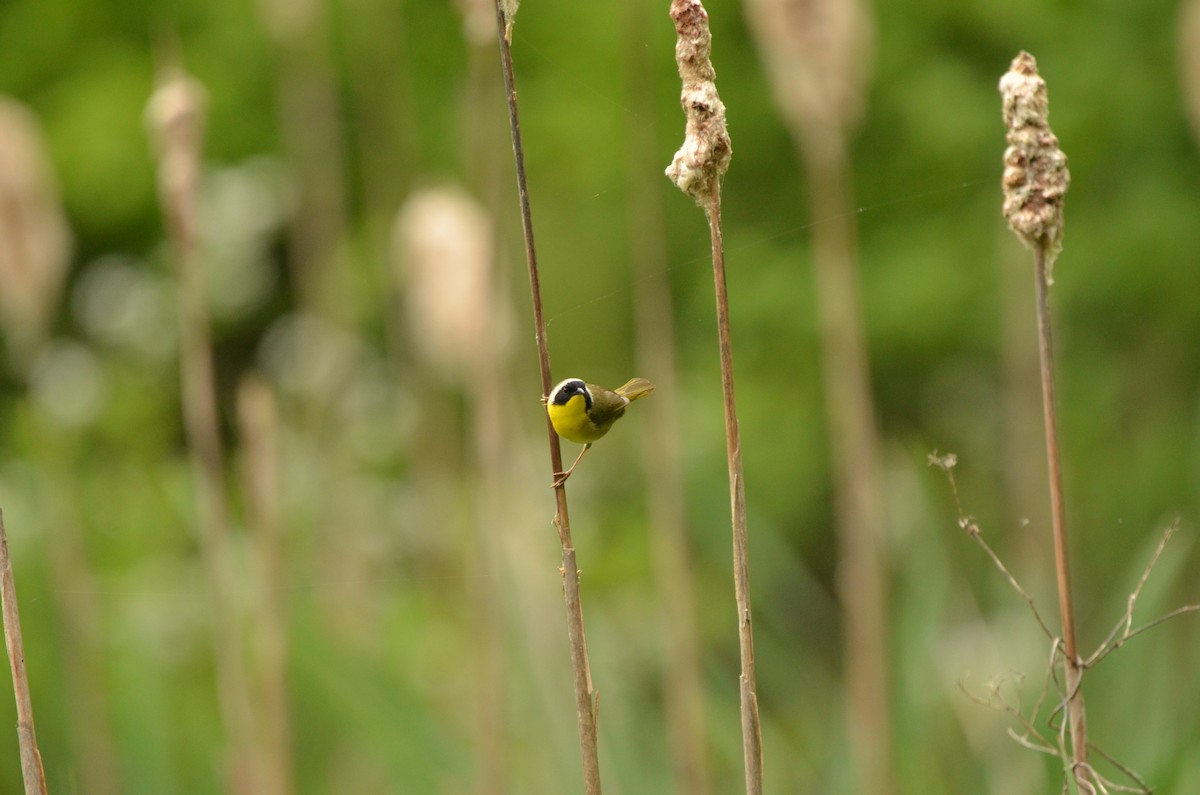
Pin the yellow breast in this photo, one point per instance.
(571, 421)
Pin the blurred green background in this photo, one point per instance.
(417, 576)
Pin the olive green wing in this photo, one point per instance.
(607, 406)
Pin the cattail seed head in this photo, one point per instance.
(175, 119)
(443, 254)
(1189, 61)
(818, 57)
(478, 21)
(704, 157)
(1036, 178)
(35, 242)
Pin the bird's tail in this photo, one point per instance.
(635, 388)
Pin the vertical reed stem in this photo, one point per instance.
(696, 169)
(258, 425)
(751, 732)
(31, 757)
(1035, 183)
(175, 114)
(585, 699)
(1076, 716)
(857, 469)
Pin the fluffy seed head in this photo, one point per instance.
(704, 157)
(1036, 178)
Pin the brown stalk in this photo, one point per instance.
(1076, 715)
(1035, 183)
(696, 170)
(818, 56)
(31, 757)
(485, 588)
(258, 428)
(311, 111)
(857, 468)
(585, 696)
(83, 646)
(175, 116)
(751, 731)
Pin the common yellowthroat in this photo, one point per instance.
(582, 412)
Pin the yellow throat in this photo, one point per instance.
(572, 423)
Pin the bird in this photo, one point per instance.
(582, 413)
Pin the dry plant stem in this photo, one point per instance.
(311, 114)
(696, 169)
(1035, 182)
(31, 757)
(854, 446)
(75, 588)
(486, 587)
(585, 700)
(174, 113)
(258, 425)
(947, 463)
(481, 130)
(1076, 716)
(1122, 632)
(751, 732)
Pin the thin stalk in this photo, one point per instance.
(696, 170)
(855, 457)
(311, 124)
(175, 114)
(258, 428)
(492, 440)
(31, 757)
(1076, 715)
(585, 699)
(85, 685)
(1035, 183)
(751, 731)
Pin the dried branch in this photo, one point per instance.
(31, 758)
(947, 463)
(696, 170)
(1112, 642)
(1094, 781)
(1035, 183)
(585, 697)
(175, 115)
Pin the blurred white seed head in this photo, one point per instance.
(704, 157)
(443, 254)
(34, 237)
(1189, 61)
(66, 383)
(818, 57)
(479, 20)
(287, 20)
(175, 120)
(309, 357)
(1035, 177)
(124, 303)
(241, 210)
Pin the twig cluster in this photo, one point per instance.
(1032, 736)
